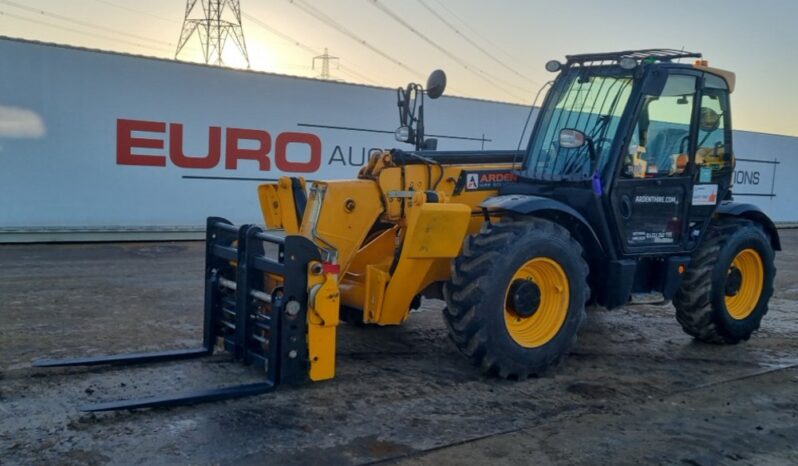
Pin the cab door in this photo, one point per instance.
(650, 196)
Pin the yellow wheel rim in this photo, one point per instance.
(542, 326)
(742, 300)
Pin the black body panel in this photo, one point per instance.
(751, 212)
(638, 229)
(570, 205)
(458, 157)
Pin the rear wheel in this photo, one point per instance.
(517, 297)
(725, 292)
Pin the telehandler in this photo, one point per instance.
(623, 191)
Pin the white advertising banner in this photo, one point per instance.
(108, 142)
(102, 142)
(767, 166)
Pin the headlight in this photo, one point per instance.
(553, 66)
(627, 63)
(403, 134)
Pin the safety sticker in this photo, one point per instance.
(705, 194)
(705, 175)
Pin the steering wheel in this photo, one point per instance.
(716, 150)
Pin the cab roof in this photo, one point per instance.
(651, 55)
(662, 55)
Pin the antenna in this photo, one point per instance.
(325, 58)
(214, 21)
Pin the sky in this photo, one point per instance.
(489, 49)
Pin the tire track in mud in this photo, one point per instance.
(710, 443)
(400, 392)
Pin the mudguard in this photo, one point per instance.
(525, 204)
(754, 213)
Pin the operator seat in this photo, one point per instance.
(666, 144)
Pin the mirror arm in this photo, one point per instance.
(420, 124)
(591, 147)
(401, 102)
(410, 101)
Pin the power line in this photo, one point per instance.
(312, 51)
(305, 47)
(321, 16)
(148, 14)
(39, 11)
(76, 31)
(345, 69)
(358, 75)
(133, 10)
(281, 34)
(462, 62)
(474, 43)
(488, 77)
(473, 30)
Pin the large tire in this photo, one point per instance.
(725, 291)
(495, 316)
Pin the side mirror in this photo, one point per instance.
(436, 84)
(572, 138)
(710, 120)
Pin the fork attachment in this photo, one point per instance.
(256, 307)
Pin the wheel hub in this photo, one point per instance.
(734, 281)
(744, 284)
(536, 302)
(524, 298)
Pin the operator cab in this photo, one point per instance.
(636, 143)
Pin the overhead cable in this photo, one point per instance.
(329, 21)
(484, 75)
(77, 31)
(474, 43)
(78, 22)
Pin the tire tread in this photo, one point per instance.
(465, 291)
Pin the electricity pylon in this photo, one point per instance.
(326, 58)
(219, 20)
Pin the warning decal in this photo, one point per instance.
(705, 194)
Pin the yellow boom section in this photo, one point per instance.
(392, 232)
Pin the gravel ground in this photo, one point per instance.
(635, 389)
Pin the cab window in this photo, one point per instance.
(660, 143)
(713, 155)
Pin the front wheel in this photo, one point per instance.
(725, 292)
(517, 296)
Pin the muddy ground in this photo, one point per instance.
(635, 389)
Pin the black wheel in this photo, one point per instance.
(726, 289)
(516, 298)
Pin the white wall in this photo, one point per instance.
(767, 166)
(59, 167)
(59, 109)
